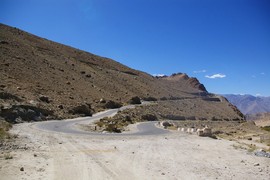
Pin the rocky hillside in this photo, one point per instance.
(249, 104)
(41, 79)
(260, 119)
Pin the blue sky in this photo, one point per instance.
(224, 43)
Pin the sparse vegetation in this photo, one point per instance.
(266, 128)
(248, 147)
(149, 117)
(4, 128)
(113, 128)
(113, 125)
(163, 99)
(150, 99)
(8, 156)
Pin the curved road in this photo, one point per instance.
(70, 126)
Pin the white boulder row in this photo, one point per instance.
(204, 132)
(200, 132)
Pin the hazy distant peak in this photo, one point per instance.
(249, 104)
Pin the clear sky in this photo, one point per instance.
(224, 43)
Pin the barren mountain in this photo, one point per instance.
(41, 79)
(249, 104)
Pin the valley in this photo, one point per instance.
(69, 114)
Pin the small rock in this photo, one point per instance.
(256, 164)
(21, 169)
(35, 155)
(249, 139)
(163, 174)
(18, 120)
(32, 102)
(41, 170)
(44, 99)
(3, 42)
(102, 100)
(262, 153)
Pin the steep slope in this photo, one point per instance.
(41, 79)
(249, 104)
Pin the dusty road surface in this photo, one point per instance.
(48, 154)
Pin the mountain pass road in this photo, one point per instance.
(70, 126)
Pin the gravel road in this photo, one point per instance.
(61, 152)
(71, 126)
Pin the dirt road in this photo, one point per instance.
(63, 156)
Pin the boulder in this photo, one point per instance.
(112, 105)
(20, 113)
(207, 131)
(135, 100)
(102, 100)
(166, 124)
(82, 110)
(200, 132)
(44, 99)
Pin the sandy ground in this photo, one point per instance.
(175, 155)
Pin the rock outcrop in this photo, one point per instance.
(190, 81)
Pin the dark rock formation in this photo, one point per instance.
(83, 109)
(135, 100)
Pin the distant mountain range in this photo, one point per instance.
(249, 104)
